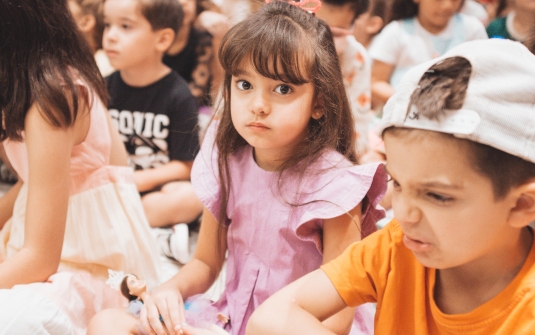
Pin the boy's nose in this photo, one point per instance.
(404, 211)
(109, 34)
(260, 103)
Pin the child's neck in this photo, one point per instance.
(269, 160)
(427, 25)
(144, 74)
(181, 41)
(462, 289)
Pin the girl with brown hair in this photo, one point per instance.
(277, 175)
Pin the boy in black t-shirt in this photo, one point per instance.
(152, 106)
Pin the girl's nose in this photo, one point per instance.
(260, 103)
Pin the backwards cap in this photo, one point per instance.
(499, 108)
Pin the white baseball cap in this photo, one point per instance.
(499, 108)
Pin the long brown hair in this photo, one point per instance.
(285, 43)
(41, 54)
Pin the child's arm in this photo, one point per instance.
(381, 88)
(298, 308)
(338, 234)
(149, 179)
(7, 202)
(49, 153)
(194, 278)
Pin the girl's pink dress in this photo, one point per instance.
(272, 243)
(106, 229)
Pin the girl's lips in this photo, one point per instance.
(256, 126)
(416, 245)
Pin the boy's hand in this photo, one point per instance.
(165, 304)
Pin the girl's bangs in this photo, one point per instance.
(277, 49)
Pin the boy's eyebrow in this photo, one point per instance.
(121, 18)
(127, 19)
(434, 184)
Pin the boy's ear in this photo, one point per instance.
(165, 38)
(87, 23)
(524, 210)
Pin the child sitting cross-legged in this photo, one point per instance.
(459, 256)
(152, 106)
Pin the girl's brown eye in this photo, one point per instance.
(283, 89)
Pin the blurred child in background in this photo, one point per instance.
(152, 107)
(355, 64)
(419, 31)
(89, 18)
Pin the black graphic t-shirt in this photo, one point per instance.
(158, 122)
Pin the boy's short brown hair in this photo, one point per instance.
(162, 14)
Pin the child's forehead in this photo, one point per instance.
(425, 157)
(122, 7)
(272, 69)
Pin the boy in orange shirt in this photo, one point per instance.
(459, 256)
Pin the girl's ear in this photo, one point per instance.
(319, 109)
(523, 212)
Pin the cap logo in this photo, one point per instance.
(462, 121)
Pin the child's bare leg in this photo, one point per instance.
(175, 203)
(113, 321)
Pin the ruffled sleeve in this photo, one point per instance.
(205, 175)
(339, 191)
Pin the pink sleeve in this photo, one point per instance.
(348, 188)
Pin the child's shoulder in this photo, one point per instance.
(176, 86)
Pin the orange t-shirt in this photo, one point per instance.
(381, 269)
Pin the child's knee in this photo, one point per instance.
(112, 321)
(178, 187)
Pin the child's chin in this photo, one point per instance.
(430, 262)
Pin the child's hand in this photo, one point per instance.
(165, 304)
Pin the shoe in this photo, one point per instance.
(179, 243)
(173, 242)
(163, 237)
